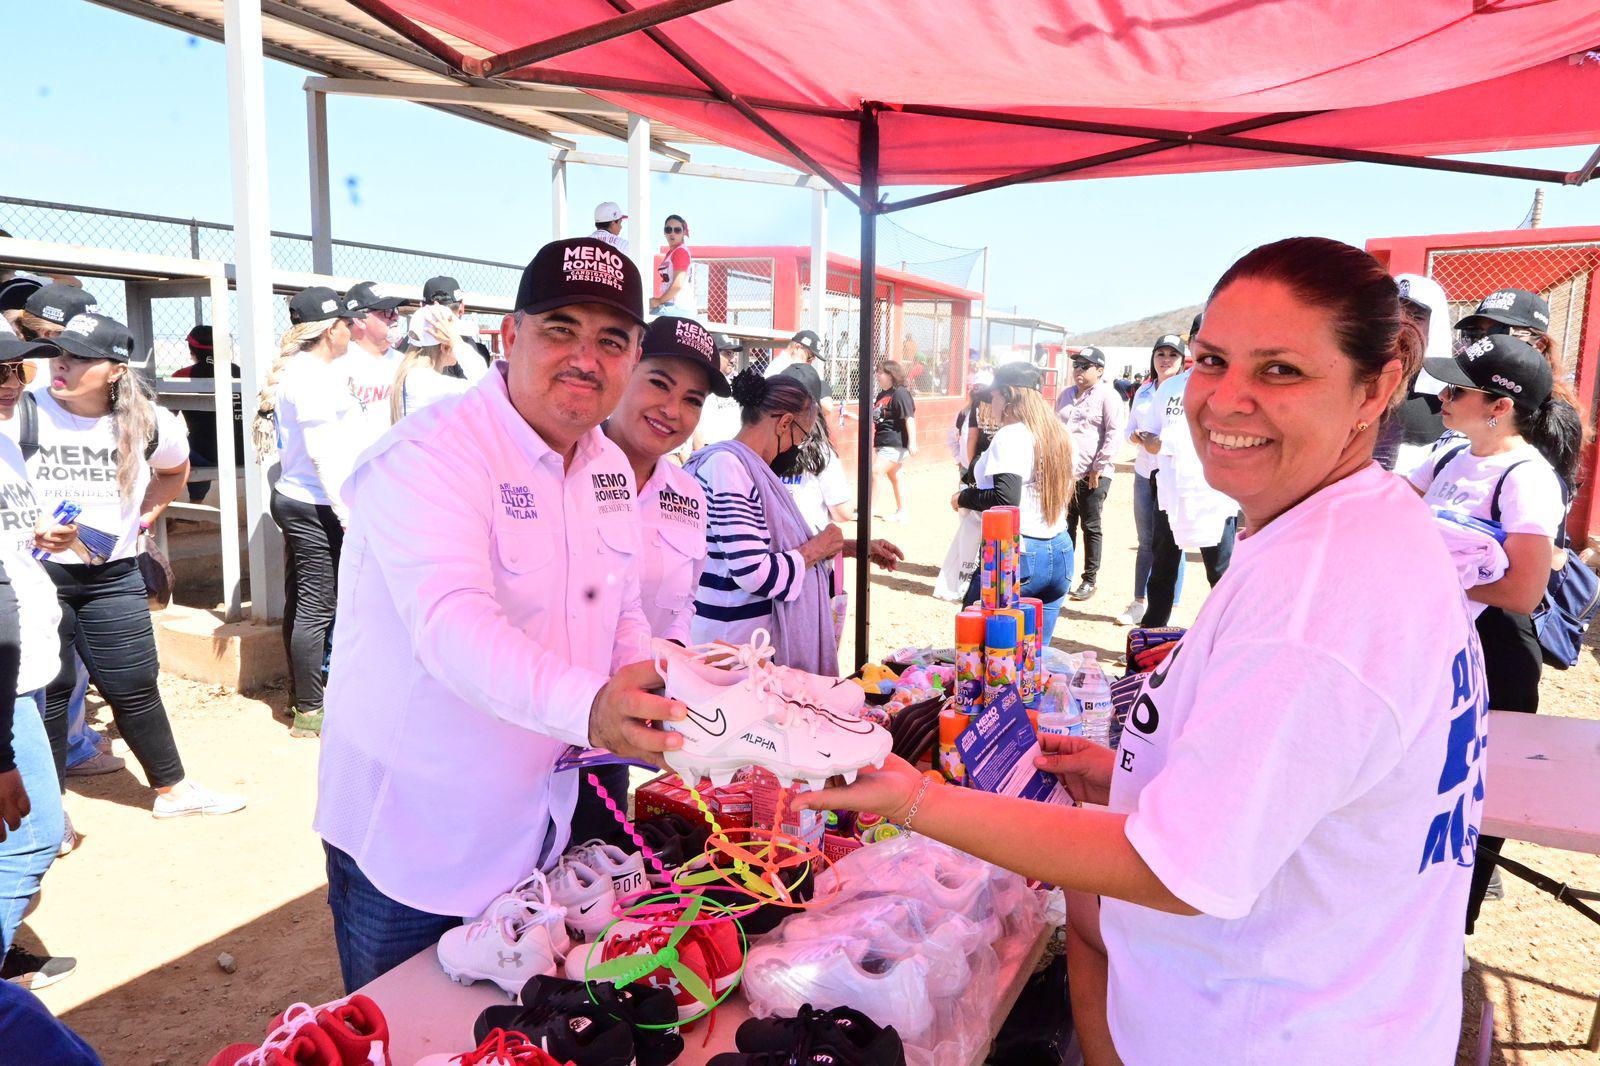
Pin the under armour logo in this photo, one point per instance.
(509, 958)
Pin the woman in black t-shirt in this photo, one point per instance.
(894, 430)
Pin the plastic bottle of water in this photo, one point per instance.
(1093, 693)
(1061, 713)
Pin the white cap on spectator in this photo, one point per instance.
(608, 212)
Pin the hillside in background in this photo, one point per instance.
(1141, 333)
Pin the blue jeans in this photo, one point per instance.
(82, 742)
(1144, 519)
(373, 933)
(28, 852)
(1046, 567)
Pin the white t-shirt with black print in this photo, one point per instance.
(1306, 770)
(77, 461)
(38, 608)
(1011, 452)
(1530, 498)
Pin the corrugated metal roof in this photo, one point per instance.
(334, 39)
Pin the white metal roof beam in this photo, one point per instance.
(553, 101)
(788, 179)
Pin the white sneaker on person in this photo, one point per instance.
(101, 762)
(515, 943)
(837, 696)
(535, 888)
(626, 869)
(69, 836)
(741, 718)
(587, 894)
(188, 798)
(1131, 614)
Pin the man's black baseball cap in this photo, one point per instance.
(1512, 307)
(13, 348)
(581, 270)
(318, 304)
(1500, 365)
(808, 340)
(1091, 355)
(92, 336)
(14, 292)
(364, 297)
(672, 337)
(726, 343)
(441, 290)
(58, 303)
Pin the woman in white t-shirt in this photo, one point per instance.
(1497, 395)
(425, 373)
(308, 414)
(1283, 866)
(103, 445)
(1028, 465)
(1166, 361)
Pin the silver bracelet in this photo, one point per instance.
(916, 803)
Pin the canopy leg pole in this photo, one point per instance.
(818, 319)
(639, 244)
(317, 164)
(252, 258)
(867, 332)
(558, 195)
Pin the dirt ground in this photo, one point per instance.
(148, 906)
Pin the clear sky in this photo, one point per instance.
(112, 111)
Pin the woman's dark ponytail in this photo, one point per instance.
(1556, 430)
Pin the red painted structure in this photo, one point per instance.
(1563, 264)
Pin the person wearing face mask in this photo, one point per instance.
(307, 414)
(104, 445)
(371, 359)
(765, 569)
(1502, 469)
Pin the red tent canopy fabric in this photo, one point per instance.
(1423, 77)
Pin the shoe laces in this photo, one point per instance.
(296, 1018)
(511, 917)
(534, 888)
(506, 1046)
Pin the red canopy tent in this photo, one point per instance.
(979, 96)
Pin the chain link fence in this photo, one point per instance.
(1561, 273)
(172, 319)
(738, 292)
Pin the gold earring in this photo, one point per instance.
(1361, 427)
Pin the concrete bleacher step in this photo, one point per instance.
(197, 644)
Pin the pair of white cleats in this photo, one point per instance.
(744, 711)
(529, 930)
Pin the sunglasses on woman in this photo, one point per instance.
(674, 229)
(1472, 334)
(21, 372)
(1455, 392)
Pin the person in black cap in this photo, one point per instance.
(474, 358)
(798, 360)
(1094, 415)
(1526, 316)
(490, 617)
(1497, 395)
(1028, 465)
(104, 445)
(1167, 357)
(371, 359)
(48, 308)
(719, 418)
(306, 416)
(202, 424)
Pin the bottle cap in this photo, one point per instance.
(998, 524)
(1030, 621)
(1001, 631)
(969, 628)
(1031, 603)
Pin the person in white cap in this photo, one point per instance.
(489, 618)
(608, 219)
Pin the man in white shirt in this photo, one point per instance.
(371, 360)
(488, 618)
(608, 219)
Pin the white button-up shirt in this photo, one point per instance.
(485, 596)
(672, 519)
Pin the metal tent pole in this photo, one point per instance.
(868, 331)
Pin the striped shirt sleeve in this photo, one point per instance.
(737, 541)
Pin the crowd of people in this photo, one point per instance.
(479, 550)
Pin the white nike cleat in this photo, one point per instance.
(838, 696)
(510, 947)
(536, 889)
(587, 894)
(626, 869)
(740, 718)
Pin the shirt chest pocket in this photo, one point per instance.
(682, 552)
(523, 570)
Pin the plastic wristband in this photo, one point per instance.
(916, 804)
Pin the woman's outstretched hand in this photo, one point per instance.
(888, 792)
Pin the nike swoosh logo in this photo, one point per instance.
(587, 906)
(825, 754)
(716, 724)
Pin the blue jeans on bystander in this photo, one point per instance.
(1046, 572)
(1144, 520)
(373, 933)
(27, 853)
